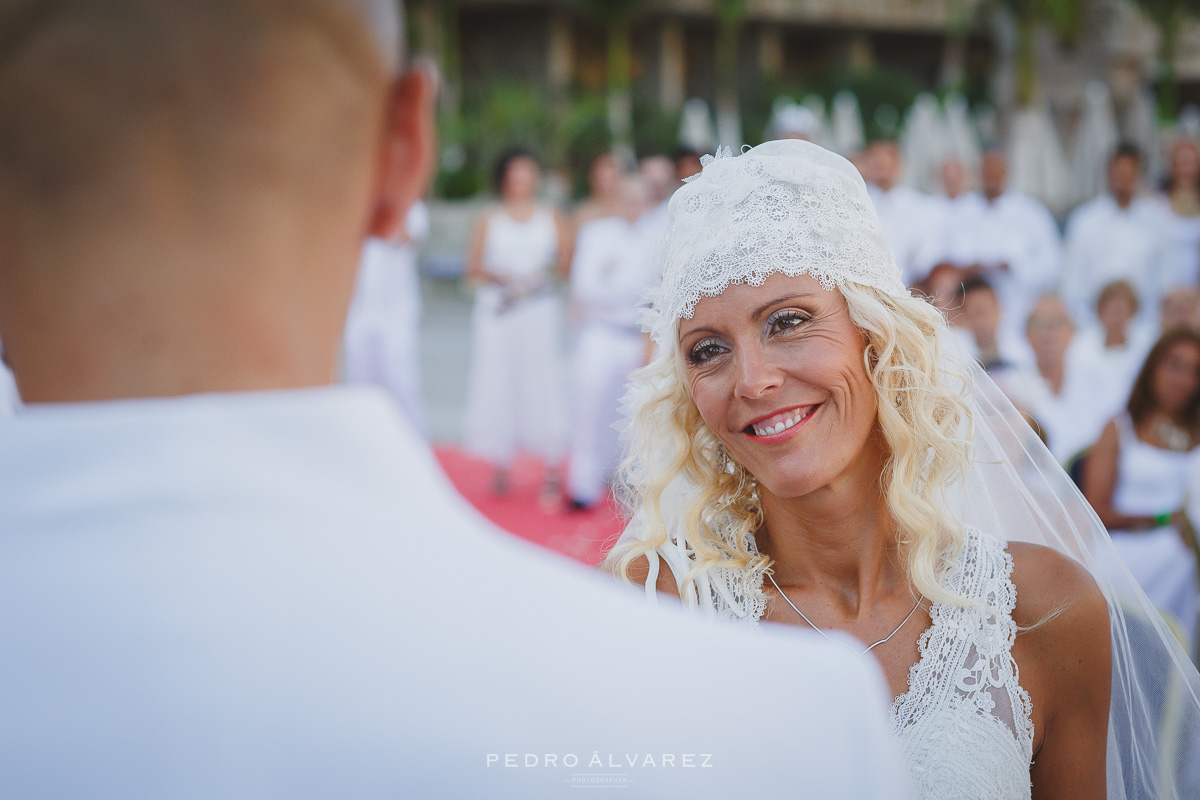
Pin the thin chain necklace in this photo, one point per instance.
(839, 641)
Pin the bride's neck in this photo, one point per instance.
(839, 539)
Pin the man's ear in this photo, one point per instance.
(409, 152)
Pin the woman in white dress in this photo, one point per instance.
(804, 450)
(1136, 475)
(519, 252)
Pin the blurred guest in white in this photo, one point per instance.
(1059, 392)
(612, 268)
(909, 217)
(1119, 235)
(990, 344)
(941, 285)
(1136, 477)
(1183, 194)
(603, 176)
(383, 329)
(1117, 346)
(661, 180)
(220, 577)
(9, 399)
(1004, 236)
(515, 393)
(1180, 309)
(794, 121)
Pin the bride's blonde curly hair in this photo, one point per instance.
(921, 412)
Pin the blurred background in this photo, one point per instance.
(596, 89)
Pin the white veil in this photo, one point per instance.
(1016, 490)
(1013, 490)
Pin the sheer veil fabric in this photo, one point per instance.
(1013, 488)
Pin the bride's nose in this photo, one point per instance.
(756, 375)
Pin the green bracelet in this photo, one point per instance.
(1162, 519)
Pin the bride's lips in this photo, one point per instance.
(792, 419)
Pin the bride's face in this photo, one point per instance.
(777, 372)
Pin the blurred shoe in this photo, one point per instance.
(500, 482)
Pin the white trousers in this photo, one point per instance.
(604, 357)
(515, 397)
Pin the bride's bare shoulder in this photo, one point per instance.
(1056, 590)
(639, 572)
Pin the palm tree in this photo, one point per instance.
(1063, 17)
(1168, 16)
(730, 14)
(617, 16)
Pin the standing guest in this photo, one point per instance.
(1183, 195)
(1180, 309)
(210, 574)
(947, 207)
(1119, 235)
(658, 173)
(515, 393)
(1059, 392)
(907, 215)
(602, 190)
(612, 269)
(1006, 237)
(383, 329)
(1136, 475)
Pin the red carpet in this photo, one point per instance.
(582, 535)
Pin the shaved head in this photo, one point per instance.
(94, 93)
(165, 154)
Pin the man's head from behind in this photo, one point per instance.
(185, 185)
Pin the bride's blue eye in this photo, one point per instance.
(704, 351)
(786, 319)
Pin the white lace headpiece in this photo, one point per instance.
(788, 207)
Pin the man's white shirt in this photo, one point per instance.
(1105, 243)
(279, 594)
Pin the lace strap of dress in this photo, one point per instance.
(966, 653)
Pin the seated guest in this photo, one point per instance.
(1180, 309)
(1136, 477)
(1116, 347)
(1059, 392)
(980, 313)
(220, 577)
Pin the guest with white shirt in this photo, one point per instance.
(1114, 348)
(1058, 392)
(909, 217)
(1180, 309)
(1004, 236)
(383, 328)
(220, 577)
(1120, 235)
(991, 345)
(612, 268)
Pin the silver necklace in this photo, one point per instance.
(771, 578)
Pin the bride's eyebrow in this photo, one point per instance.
(765, 307)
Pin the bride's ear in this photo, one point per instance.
(407, 157)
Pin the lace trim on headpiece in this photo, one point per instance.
(787, 207)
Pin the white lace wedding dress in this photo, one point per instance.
(964, 724)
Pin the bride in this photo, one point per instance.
(805, 450)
